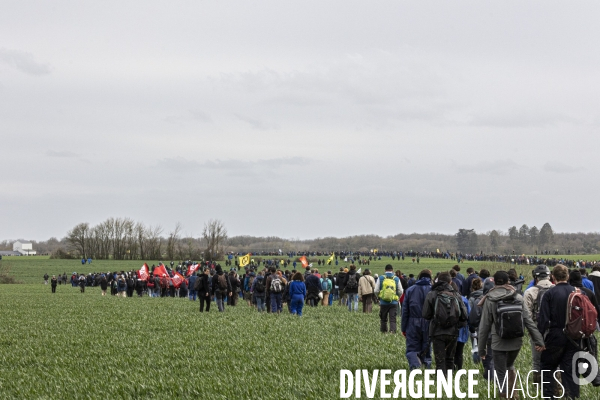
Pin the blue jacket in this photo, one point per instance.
(463, 333)
(192, 281)
(413, 301)
(297, 288)
(587, 283)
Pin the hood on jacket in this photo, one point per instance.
(442, 286)
(477, 294)
(595, 273)
(500, 293)
(423, 282)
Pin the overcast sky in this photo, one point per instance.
(299, 119)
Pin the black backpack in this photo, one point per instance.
(352, 282)
(538, 301)
(509, 319)
(222, 281)
(260, 284)
(447, 309)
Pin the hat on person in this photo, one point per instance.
(541, 271)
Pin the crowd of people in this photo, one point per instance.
(438, 313)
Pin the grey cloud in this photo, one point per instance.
(23, 61)
(61, 154)
(561, 168)
(189, 115)
(520, 119)
(255, 123)
(182, 164)
(497, 167)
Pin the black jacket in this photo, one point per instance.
(341, 276)
(203, 284)
(553, 314)
(347, 278)
(429, 310)
(466, 286)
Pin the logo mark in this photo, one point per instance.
(584, 364)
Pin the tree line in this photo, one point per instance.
(125, 239)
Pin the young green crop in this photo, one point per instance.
(73, 345)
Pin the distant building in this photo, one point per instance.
(9, 253)
(24, 248)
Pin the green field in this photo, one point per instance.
(73, 345)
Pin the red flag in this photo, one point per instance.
(160, 270)
(304, 261)
(177, 279)
(192, 268)
(143, 273)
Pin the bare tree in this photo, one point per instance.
(214, 234)
(172, 240)
(153, 242)
(139, 232)
(77, 238)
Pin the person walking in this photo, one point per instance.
(351, 288)
(532, 299)
(53, 283)
(389, 291)
(258, 290)
(501, 304)
(297, 293)
(203, 289)
(463, 337)
(275, 287)
(235, 287)
(82, 284)
(341, 278)
(313, 288)
(366, 289)
(446, 313)
(414, 327)
(192, 292)
(103, 284)
(325, 289)
(221, 287)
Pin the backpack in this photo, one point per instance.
(222, 279)
(388, 289)
(447, 310)
(260, 285)
(197, 283)
(581, 316)
(518, 285)
(325, 285)
(276, 284)
(352, 282)
(538, 301)
(509, 319)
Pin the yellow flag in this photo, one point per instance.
(244, 260)
(331, 259)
